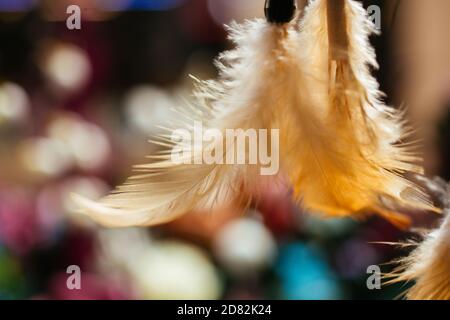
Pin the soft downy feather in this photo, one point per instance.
(340, 146)
(428, 266)
(164, 190)
(347, 156)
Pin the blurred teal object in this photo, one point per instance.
(305, 274)
(329, 228)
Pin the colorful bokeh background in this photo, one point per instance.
(78, 106)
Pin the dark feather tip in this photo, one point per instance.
(280, 11)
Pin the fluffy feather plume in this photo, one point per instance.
(240, 99)
(347, 155)
(340, 145)
(429, 266)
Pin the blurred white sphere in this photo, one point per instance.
(123, 245)
(147, 107)
(67, 66)
(86, 141)
(45, 156)
(175, 270)
(14, 103)
(244, 246)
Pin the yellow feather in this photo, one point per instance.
(347, 155)
(428, 266)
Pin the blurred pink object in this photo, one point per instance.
(93, 287)
(19, 228)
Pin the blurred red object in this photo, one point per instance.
(277, 209)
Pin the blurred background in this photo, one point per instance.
(77, 108)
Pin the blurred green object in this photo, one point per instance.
(11, 278)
